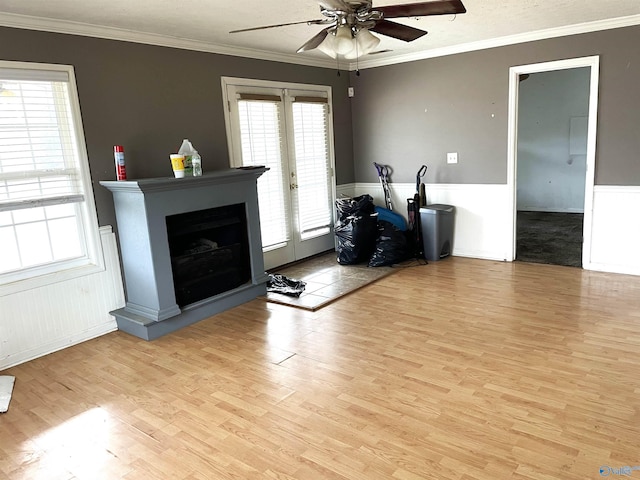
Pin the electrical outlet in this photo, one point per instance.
(452, 157)
(351, 91)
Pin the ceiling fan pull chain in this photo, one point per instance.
(357, 58)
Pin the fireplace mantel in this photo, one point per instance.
(141, 209)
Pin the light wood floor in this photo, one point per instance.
(462, 369)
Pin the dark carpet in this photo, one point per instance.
(554, 238)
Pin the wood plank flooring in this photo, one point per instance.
(462, 369)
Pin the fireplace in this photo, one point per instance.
(209, 252)
(190, 248)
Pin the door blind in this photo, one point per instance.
(261, 143)
(313, 175)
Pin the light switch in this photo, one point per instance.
(452, 157)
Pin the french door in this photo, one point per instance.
(288, 129)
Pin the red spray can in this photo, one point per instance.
(118, 154)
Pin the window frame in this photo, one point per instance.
(92, 261)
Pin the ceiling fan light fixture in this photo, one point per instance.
(328, 45)
(343, 40)
(365, 41)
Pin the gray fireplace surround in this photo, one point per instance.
(142, 207)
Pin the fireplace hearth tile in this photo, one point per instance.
(327, 281)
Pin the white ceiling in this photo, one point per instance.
(205, 24)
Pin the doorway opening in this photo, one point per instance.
(552, 128)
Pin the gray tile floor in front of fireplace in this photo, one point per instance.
(326, 280)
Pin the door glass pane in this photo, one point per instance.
(261, 141)
(312, 168)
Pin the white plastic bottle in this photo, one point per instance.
(187, 150)
(196, 163)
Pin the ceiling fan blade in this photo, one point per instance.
(439, 7)
(314, 41)
(397, 30)
(308, 22)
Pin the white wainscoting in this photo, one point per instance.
(615, 239)
(43, 320)
(482, 220)
(481, 215)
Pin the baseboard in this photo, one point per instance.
(56, 345)
(480, 255)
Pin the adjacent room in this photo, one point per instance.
(135, 138)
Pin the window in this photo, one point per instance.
(47, 215)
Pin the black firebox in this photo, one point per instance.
(209, 252)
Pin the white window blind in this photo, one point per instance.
(41, 178)
(312, 165)
(37, 161)
(261, 142)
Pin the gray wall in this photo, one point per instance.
(149, 98)
(550, 174)
(409, 114)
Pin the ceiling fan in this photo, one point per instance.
(349, 24)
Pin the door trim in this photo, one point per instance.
(593, 63)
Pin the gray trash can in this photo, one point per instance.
(436, 226)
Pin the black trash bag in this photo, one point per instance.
(391, 246)
(347, 207)
(356, 238)
(288, 286)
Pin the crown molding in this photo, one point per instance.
(111, 33)
(576, 29)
